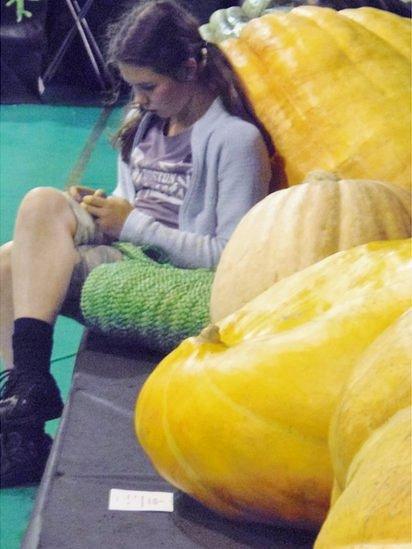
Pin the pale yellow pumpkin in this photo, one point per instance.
(379, 387)
(376, 502)
(239, 416)
(333, 88)
(371, 448)
(296, 227)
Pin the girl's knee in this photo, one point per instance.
(44, 204)
(42, 197)
(5, 260)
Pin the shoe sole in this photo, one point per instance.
(28, 477)
(11, 423)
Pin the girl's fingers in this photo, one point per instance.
(92, 210)
(79, 190)
(95, 200)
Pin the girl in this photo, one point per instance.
(193, 161)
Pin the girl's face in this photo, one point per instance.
(157, 92)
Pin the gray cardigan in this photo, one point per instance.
(230, 173)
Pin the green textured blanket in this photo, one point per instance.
(145, 300)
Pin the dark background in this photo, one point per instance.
(28, 47)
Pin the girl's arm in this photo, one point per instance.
(185, 249)
(243, 179)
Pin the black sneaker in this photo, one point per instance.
(24, 454)
(25, 399)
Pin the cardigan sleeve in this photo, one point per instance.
(124, 188)
(244, 175)
(185, 249)
(242, 179)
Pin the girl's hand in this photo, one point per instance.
(110, 213)
(77, 192)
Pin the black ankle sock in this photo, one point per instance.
(32, 345)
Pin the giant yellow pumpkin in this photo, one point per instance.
(293, 228)
(238, 417)
(371, 446)
(375, 506)
(333, 88)
(379, 387)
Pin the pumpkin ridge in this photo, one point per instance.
(259, 53)
(356, 64)
(374, 507)
(386, 359)
(354, 466)
(361, 16)
(255, 417)
(183, 463)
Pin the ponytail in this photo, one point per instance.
(220, 73)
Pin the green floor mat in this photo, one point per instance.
(41, 146)
(49, 146)
(16, 506)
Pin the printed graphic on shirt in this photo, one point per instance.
(161, 169)
(160, 178)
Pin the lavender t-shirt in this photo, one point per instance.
(161, 167)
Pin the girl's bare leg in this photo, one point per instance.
(43, 254)
(35, 268)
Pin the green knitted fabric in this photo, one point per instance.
(145, 300)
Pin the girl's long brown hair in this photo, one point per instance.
(161, 35)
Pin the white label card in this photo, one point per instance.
(138, 500)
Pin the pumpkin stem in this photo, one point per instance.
(318, 176)
(210, 334)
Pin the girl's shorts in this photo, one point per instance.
(93, 249)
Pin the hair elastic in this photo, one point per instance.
(204, 53)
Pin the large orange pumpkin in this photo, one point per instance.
(239, 416)
(333, 88)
